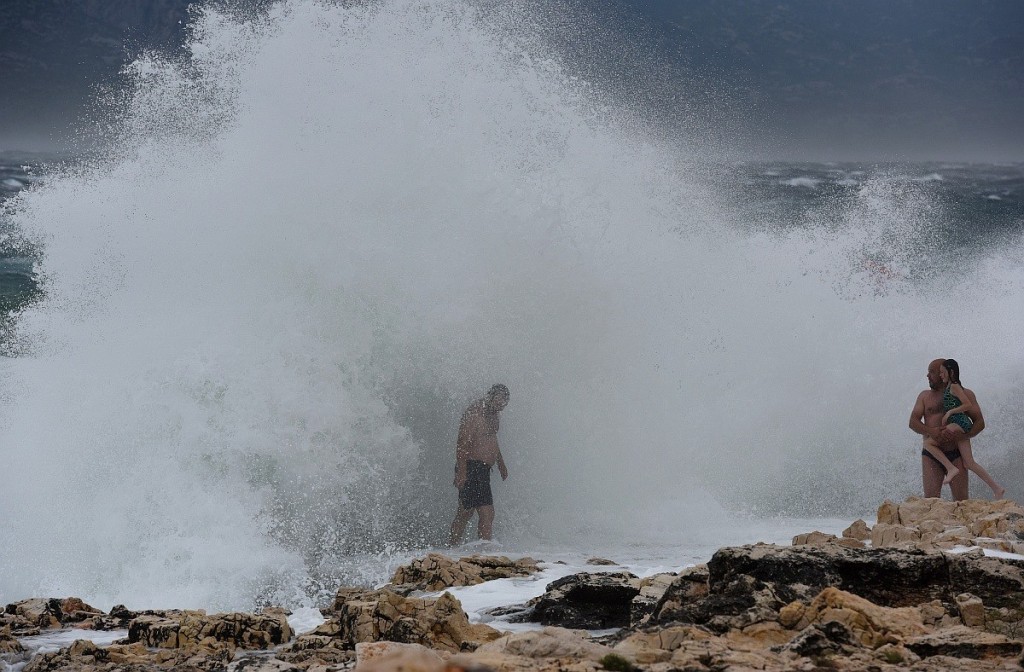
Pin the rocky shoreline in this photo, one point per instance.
(913, 591)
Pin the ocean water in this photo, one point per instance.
(249, 319)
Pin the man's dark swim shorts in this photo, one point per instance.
(950, 455)
(477, 490)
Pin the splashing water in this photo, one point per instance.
(315, 239)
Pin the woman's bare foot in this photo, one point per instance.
(950, 475)
(999, 492)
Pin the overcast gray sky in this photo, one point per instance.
(818, 79)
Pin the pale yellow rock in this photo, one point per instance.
(813, 539)
(929, 529)
(791, 614)
(992, 525)
(932, 612)
(409, 659)
(916, 509)
(871, 624)
(549, 642)
(367, 651)
(955, 536)
(858, 530)
(884, 534)
(972, 610)
(760, 635)
(888, 513)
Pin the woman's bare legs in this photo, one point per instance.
(969, 463)
(934, 450)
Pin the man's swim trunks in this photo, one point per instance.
(951, 455)
(477, 490)
(950, 401)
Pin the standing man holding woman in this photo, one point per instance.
(931, 418)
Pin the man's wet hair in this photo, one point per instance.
(498, 390)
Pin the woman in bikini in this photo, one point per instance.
(957, 419)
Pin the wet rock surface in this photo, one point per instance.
(824, 603)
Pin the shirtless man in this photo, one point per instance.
(929, 409)
(475, 453)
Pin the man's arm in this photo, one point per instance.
(915, 419)
(974, 413)
(502, 469)
(965, 406)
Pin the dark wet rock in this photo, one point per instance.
(964, 642)
(588, 601)
(820, 639)
(749, 584)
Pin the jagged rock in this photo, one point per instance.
(391, 655)
(858, 530)
(8, 643)
(387, 616)
(261, 664)
(550, 642)
(76, 611)
(652, 590)
(821, 638)
(419, 659)
(437, 572)
(41, 612)
(687, 647)
(688, 588)
(964, 642)
(971, 609)
(601, 562)
(588, 601)
(936, 522)
(822, 539)
(752, 584)
(869, 624)
(346, 594)
(316, 650)
(197, 629)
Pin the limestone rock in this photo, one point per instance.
(367, 651)
(408, 658)
(261, 664)
(8, 643)
(550, 642)
(822, 539)
(858, 530)
(652, 590)
(40, 612)
(588, 601)
(437, 572)
(869, 624)
(964, 642)
(384, 615)
(192, 629)
(972, 610)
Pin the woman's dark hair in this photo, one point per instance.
(954, 370)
